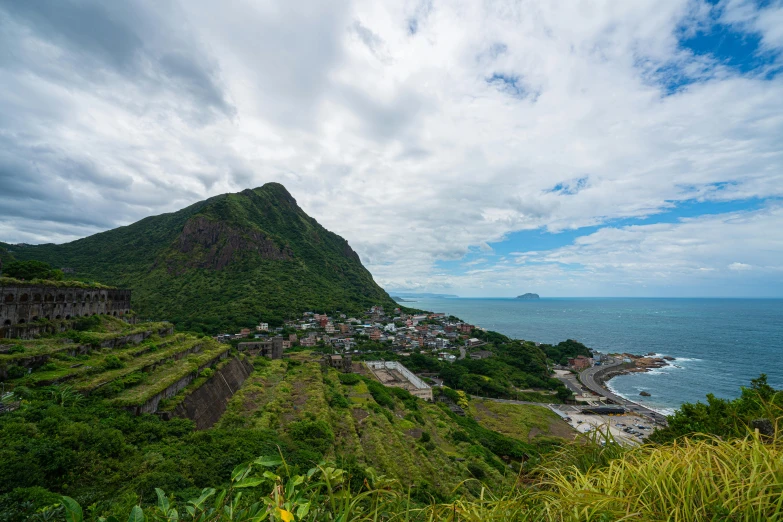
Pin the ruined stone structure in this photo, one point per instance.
(272, 348)
(338, 362)
(393, 373)
(22, 304)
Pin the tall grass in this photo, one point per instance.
(695, 479)
(690, 480)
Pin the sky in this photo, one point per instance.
(477, 148)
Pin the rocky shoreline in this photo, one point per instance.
(638, 364)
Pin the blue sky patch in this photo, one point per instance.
(510, 84)
(738, 50)
(540, 239)
(571, 187)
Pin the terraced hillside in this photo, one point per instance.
(137, 367)
(357, 420)
(77, 420)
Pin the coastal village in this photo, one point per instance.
(341, 338)
(403, 333)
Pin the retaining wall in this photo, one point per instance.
(151, 405)
(207, 404)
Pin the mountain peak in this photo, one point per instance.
(274, 189)
(224, 262)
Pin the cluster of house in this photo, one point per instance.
(580, 362)
(431, 332)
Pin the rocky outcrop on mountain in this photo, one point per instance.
(215, 244)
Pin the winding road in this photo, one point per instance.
(587, 377)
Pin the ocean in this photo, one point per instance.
(719, 344)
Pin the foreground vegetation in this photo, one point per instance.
(59, 442)
(164, 471)
(693, 480)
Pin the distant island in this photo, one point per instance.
(528, 296)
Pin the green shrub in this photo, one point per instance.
(112, 362)
(460, 436)
(207, 372)
(22, 503)
(380, 393)
(29, 270)
(133, 379)
(477, 470)
(425, 437)
(349, 378)
(311, 435)
(261, 362)
(16, 372)
(48, 367)
(337, 400)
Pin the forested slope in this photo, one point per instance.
(222, 263)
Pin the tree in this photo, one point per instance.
(28, 270)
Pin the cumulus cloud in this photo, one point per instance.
(421, 131)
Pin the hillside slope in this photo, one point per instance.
(223, 263)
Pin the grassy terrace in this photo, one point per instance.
(66, 367)
(90, 382)
(169, 373)
(415, 442)
(112, 329)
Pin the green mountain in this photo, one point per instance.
(222, 263)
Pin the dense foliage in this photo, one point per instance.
(713, 479)
(758, 406)
(101, 455)
(516, 366)
(560, 353)
(228, 272)
(28, 270)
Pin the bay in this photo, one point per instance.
(719, 344)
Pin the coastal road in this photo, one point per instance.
(588, 379)
(570, 380)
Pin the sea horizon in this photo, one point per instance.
(597, 297)
(706, 335)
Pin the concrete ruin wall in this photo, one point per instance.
(151, 406)
(419, 389)
(207, 404)
(272, 348)
(22, 304)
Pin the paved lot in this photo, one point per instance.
(585, 423)
(616, 423)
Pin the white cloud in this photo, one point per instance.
(420, 131)
(694, 256)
